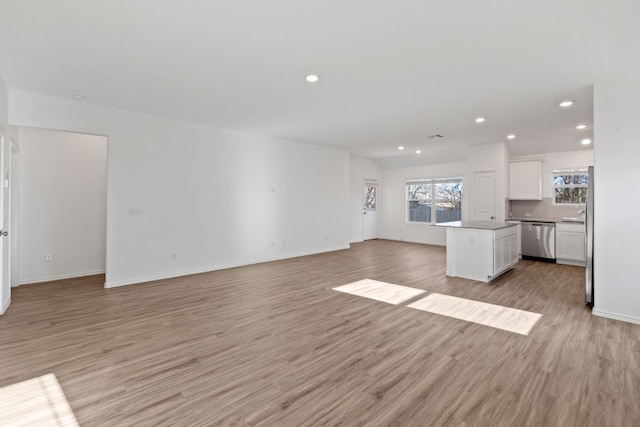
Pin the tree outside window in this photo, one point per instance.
(570, 187)
(442, 196)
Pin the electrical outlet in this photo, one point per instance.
(136, 211)
(48, 258)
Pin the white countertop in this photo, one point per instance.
(482, 225)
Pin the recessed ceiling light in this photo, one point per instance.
(480, 120)
(78, 97)
(312, 78)
(418, 151)
(511, 136)
(586, 141)
(566, 104)
(400, 147)
(580, 127)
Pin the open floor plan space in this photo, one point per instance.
(274, 344)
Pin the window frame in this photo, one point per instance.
(568, 171)
(433, 201)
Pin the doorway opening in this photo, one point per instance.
(62, 205)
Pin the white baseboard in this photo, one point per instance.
(615, 316)
(570, 262)
(409, 240)
(4, 307)
(208, 269)
(60, 277)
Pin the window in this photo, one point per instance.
(370, 197)
(570, 186)
(444, 195)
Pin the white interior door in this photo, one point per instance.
(370, 211)
(485, 196)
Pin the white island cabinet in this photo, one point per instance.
(518, 225)
(480, 250)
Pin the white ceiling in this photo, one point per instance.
(392, 72)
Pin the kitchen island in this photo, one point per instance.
(480, 250)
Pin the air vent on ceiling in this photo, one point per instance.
(434, 136)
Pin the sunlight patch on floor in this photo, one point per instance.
(380, 291)
(496, 316)
(38, 402)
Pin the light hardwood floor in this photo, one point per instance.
(273, 345)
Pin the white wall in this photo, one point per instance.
(213, 197)
(63, 204)
(483, 158)
(616, 171)
(4, 107)
(361, 170)
(393, 224)
(5, 285)
(560, 160)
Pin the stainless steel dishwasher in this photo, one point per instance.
(539, 240)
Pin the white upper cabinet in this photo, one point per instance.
(525, 180)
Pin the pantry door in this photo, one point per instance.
(485, 196)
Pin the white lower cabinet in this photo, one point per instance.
(570, 244)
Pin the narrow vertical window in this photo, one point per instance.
(371, 198)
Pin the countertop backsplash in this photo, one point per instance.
(542, 209)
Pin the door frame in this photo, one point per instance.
(14, 217)
(5, 216)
